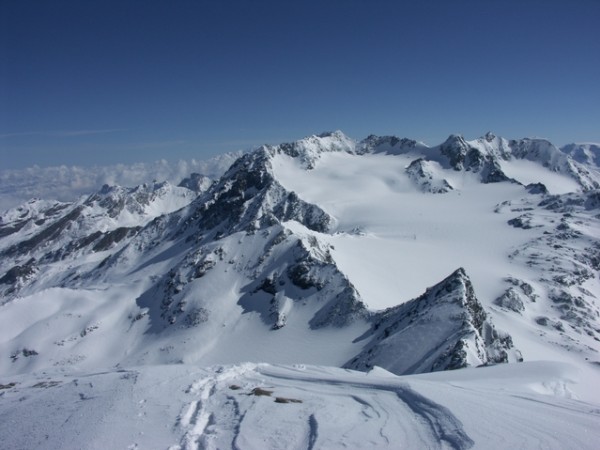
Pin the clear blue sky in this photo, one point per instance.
(101, 82)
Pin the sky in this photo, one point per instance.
(99, 83)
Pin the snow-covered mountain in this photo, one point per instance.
(585, 153)
(380, 255)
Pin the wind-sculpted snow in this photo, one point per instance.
(261, 406)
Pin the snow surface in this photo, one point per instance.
(262, 406)
(404, 240)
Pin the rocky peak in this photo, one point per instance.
(424, 176)
(456, 149)
(489, 136)
(445, 328)
(309, 149)
(248, 198)
(387, 144)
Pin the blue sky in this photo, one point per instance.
(123, 81)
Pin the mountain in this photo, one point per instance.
(379, 255)
(41, 234)
(587, 153)
(449, 344)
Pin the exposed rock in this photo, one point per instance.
(512, 300)
(424, 176)
(537, 188)
(524, 221)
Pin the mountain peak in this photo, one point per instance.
(489, 136)
(448, 319)
(337, 134)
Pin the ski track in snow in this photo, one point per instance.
(440, 425)
(197, 419)
(297, 407)
(396, 413)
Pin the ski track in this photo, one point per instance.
(219, 417)
(326, 408)
(201, 426)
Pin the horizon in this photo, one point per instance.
(124, 82)
(215, 155)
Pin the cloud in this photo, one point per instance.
(67, 183)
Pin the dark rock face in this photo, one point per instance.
(461, 156)
(511, 299)
(517, 296)
(537, 188)
(422, 176)
(18, 275)
(446, 328)
(249, 198)
(568, 203)
(456, 150)
(290, 273)
(524, 221)
(113, 237)
(386, 144)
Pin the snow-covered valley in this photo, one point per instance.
(146, 317)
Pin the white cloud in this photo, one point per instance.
(66, 183)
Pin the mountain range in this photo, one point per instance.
(384, 256)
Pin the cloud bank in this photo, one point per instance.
(67, 183)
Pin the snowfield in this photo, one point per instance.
(406, 240)
(462, 280)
